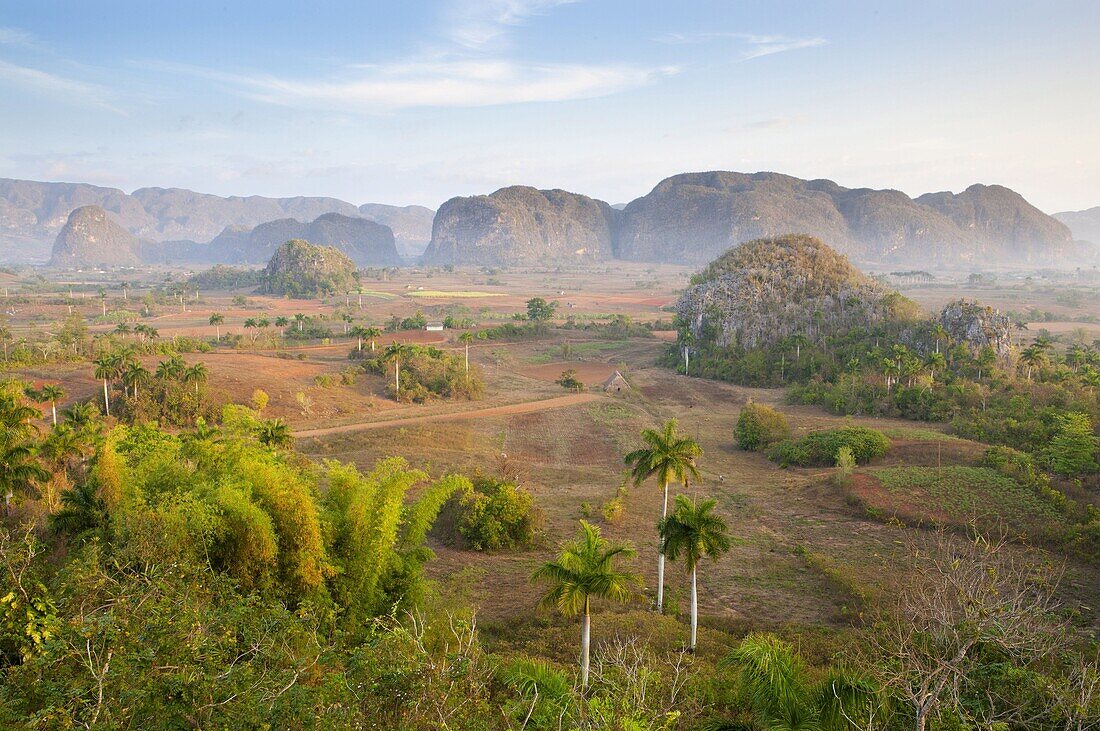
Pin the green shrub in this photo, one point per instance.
(820, 448)
(492, 514)
(1072, 451)
(845, 464)
(760, 426)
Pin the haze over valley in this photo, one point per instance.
(550, 365)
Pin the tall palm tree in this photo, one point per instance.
(668, 457)
(1032, 357)
(107, 367)
(585, 569)
(359, 332)
(373, 333)
(300, 319)
(135, 375)
(466, 338)
(250, 325)
(935, 362)
(987, 357)
(694, 531)
(53, 393)
(395, 352)
(281, 322)
(939, 334)
(216, 319)
(196, 374)
(783, 698)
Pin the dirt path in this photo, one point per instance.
(526, 407)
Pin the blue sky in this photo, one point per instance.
(404, 102)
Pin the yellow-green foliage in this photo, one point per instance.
(760, 426)
(376, 541)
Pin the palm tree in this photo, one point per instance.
(585, 569)
(359, 332)
(694, 531)
(81, 510)
(216, 319)
(939, 334)
(19, 469)
(171, 368)
(196, 374)
(668, 456)
(783, 698)
(53, 393)
(1032, 357)
(935, 362)
(250, 324)
(395, 352)
(373, 333)
(134, 375)
(125, 291)
(466, 338)
(80, 415)
(274, 433)
(300, 319)
(107, 367)
(281, 322)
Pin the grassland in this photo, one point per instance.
(955, 495)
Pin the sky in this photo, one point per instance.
(409, 102)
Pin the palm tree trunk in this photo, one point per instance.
(586, 636)
(467, 359)
(218, 330)
(106, 401)
(360, 344)
(397, 375)
(661, 559)
(694, 608)
(53, 408)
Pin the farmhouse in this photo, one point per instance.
(615, 383)
(433, 327)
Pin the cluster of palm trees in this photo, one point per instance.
(585, 569)
(31, 464)
(122, 366)
(141, 332)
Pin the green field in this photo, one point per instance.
(958, 495)
(439, 294)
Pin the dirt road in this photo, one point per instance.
(526, 407)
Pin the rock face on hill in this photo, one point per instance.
(91, 237)
(766, 290)
(977, 326)
(367, 243)
(411, 225)
(298, 269)
(1085, 225)
(693, 217)
(521, 225)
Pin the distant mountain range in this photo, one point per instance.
(33, 213)
(1085, 225)
(688, 219)
(694, 217)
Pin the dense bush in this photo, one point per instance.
(427, 373)
(760, 426)
(491, 514)
(820, 448)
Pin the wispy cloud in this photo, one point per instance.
(469, 69)
(438, 83)
(475, 24)
(755, 45)
(16, 37)
(58, 87)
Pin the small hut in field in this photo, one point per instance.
(615, 383)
